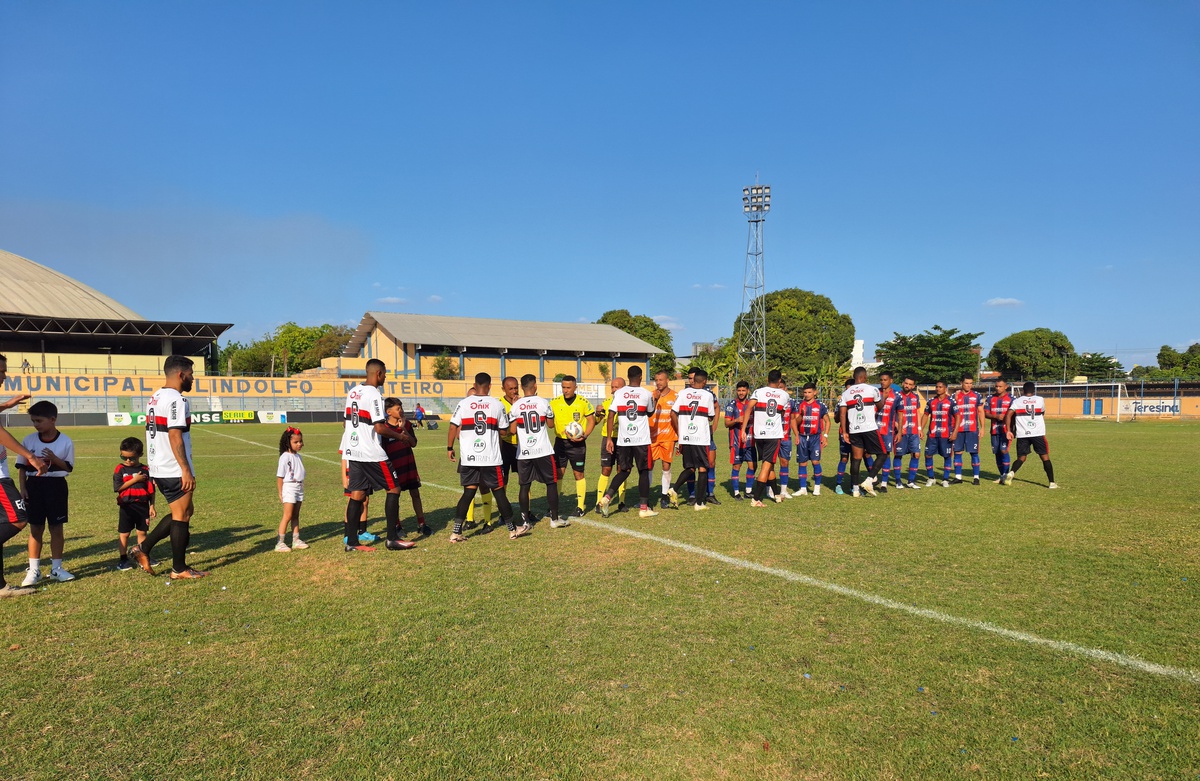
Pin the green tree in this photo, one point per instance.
(1098, 366)
(292, 346)
(804, 331)
(444, 367)
(644, 328)
(1035, 354)
(932, 355)
(1169, 358)
(715, 362)
(830, 379)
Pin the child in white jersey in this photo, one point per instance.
(290, 476)
(45, 494)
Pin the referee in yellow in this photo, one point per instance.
(570, 408)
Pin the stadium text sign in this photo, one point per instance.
(228, 416)
(251, 387)
(1150, 407)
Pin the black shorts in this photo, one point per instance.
(572, 454)
(47, 500)
(133, 516)
(868, 441)
(12, 506)
(1039, 445)
(630, 457)
(767, 449)
(543, 470)
(491, 477)
(695, 456)
(171, 488)
(607, 460)
(508, 458)
(372, 476)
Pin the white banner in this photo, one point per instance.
(272, 416)
(120, 419)
(1150, 406)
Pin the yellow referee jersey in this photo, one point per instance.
(602, 414)
(577, 410)
(504, 435)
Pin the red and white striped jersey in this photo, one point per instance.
(364, 408)
(633, 407)
(534, 420)
(770, 406)
(696, 407)
(479, 420)
(1029, 419)
(167, 410)
(859, 401)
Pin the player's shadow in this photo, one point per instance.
(220, 547)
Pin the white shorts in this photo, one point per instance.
(293, 493)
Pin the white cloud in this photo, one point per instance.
(716, 286)
(376, 284)
(696, 285)
(1003, 302)
(391, 300)
(435, 299)
(668, 322)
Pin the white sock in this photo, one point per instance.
(666, 480)
(55, 564)
(35, 565)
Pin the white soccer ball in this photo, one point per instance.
(573, 430)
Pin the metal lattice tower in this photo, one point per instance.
(752, 335)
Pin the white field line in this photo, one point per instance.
(1062, 646)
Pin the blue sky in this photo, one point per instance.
(986, 166)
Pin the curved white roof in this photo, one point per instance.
(30, 288)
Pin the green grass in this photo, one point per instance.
(580, 653)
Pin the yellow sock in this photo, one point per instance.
(601, 484)
(471, 511)
(485, 504)
(621, 494)
(581, 493)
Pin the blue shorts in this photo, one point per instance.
(743, 455)
(966, 442)
(808, 448)
(1000, 443)
(712, 447)
(843, 448)
(908, 444)
(785, 449)
(938, 446)
(887, 440)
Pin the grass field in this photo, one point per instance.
(587, 653)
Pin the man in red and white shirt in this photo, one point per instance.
(169, 456)
(1027, 423)
(694, 418)
(530, 421)
(629, 431)
(476, 424)
(860, 429)
(370, 469)
(765, 414)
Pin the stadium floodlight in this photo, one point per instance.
(752, 323)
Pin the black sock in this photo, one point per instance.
(391, 513)
(523, 499)
(1049, 470)
(504, 507)
(1020, 462)
(617, 482)
(875, 468)
(179, 535)
(464, 504)
(756, 493)
(353, 513)
(688, 476)
(156, 534)
(855, 469)
(552, 498)
(644, 486)
(362, 525)
(7, 532)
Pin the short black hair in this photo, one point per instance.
(527, 380)
(132, 445)
(176, 364)
(809, 386)
(859, 370)
(742, 384)
(375, 363)
(966, 377)
(568, 378)
(910, 377)
(1029, 387)
(43, 409)
(392, 401)
(699, 373)
(942, 382)
(849, 381)
(483, 378)
(634, 373)
(774, 375)
(886, 373)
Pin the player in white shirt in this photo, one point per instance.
(530, 421)
(764, 415)
(476, 424)
(860, 429)
(629, 430)
(694, 418)
(47, 496)
(289, 476)
(1027, 423)
(363, 433)
(169, 457)
(12, 506)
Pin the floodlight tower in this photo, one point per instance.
(752, 335)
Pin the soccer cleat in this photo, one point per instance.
(664, 504)
(958, 481)
(899, 486)
(975, 481)
(61, 575)
(188, 574)
(520, 531)
(854, 492)
(838, 490)
(124, 565)
(281, 547)
(710, 499)
(468, 525)
(456, 537)
(778, 500)
(1008, 478)
(756, 503)
(738, 496)
(32, 577)
(558, 523)
(579, 513)
(882, 489)
(359, 549)
(868, 486)
(646, 512)
(620, 507)
(9, 591)
(999, 480)
(913, 485)
(142, 559)
(699, 507)
(672, 500)
(298, 544)
(801, 492)
(366, 538)
(605, 501)
(785, 493)
(399, 545)
(930, 483)
(424, 530)
(816, 490)
(945, 484)
(1053, 485)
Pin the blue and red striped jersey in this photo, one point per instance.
(908, 410)
(968, 405)
(886, 413)
(941, 414)
(998, 406)
(810, 415)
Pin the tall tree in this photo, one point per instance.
(804, 332)
(932, 355)
(297, 347)
(1035, 354)
(1098, 366)
(644, 328)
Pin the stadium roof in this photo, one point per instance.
(487, 333)
(28, 288)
